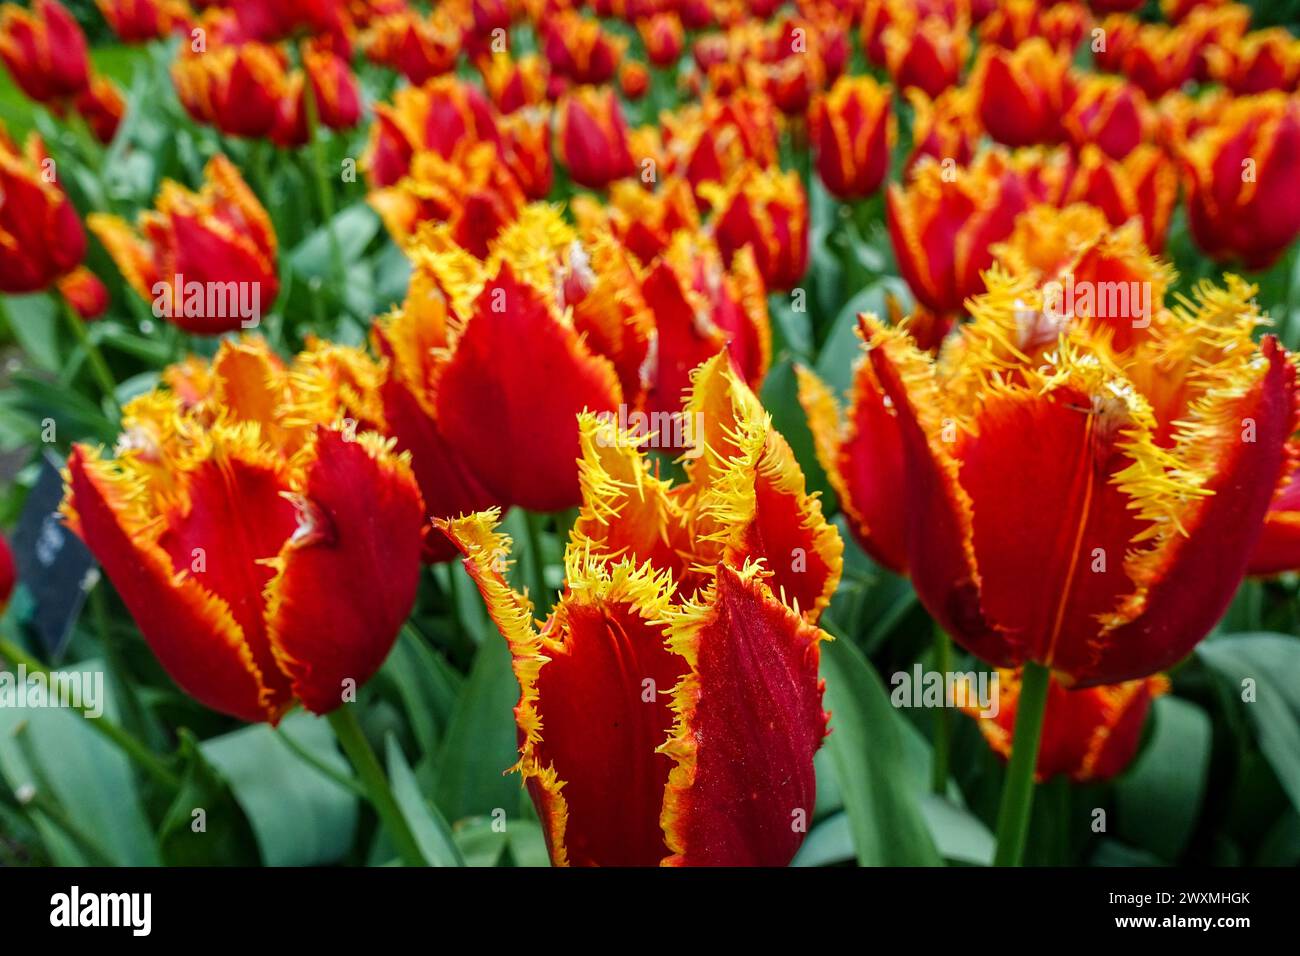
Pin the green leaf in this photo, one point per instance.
(527, 844)
(480, 744)
(830, 841)
(34, 320)
(226, 838)
(480, 843)
(426, 685)
(867, 745)
(428, 826)
(958, 833)
(300, 816)
(354, 227)
(1269, 662)
(1159, 798)
(90, 780)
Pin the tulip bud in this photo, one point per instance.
(1023, 93)
(593, 138)
(44, 50)
(853, 134)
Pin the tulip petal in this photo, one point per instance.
(190, 630)
(749, 719)
(521, 442)
(346, 579)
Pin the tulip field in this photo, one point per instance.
(637, 433)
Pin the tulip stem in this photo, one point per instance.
(348, 731)
(129, 745)
(942, 716)
(317, 164)
(98, 367)
(1018, 791)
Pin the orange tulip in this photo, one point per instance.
(1278, 549)
(476, 330)
(44, 50)
(419, 48)
(766, 210)
(267, 556)
(578, 48)
(663, 37)
(1023, 93)
(1242, 176)
(40, 235)
(944, 128)
(640, 618)
(1260, 61)
(1062, 25)
(514, 83)
(1088, 735)
(139, 21)
(1110, 544)
(206, 259)
(1143, 185)
(853, 134)
(633, 80)
(593, 138)
(943, 223)
(1108, 113)
(928, 54)
(239, 89)
(445, 116)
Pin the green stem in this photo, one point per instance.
(317, 164)
(98, 367)
(942, 716)
(320, 766)
(366, 764)
(1018, 791)
(541, 602)
(129, 745)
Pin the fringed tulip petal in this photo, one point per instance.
(749, 719)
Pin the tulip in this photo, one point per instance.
(514, 83)
(633, 80)
(768, 211)
(593, 138)
(1160, 59)
(267, 559)
(474, 193)
(927, 54)
(444, 116)
(579, 49)
(44, 50)
(1062, 25)
(1259, 61)
(419, 48)
(334, 88)
(642, 221)
(663, 37)
(508, 326)
(526, 143)
(1109, 113)
(1214, 27)
(1162, 452)
(711, 141)
(1089, 735)
(943, 223)
(218, 239)
(640, 622)
(700, 307)
(237, 89)
(1143, 185)
(1023, 92)
(1242, 177)
(853, 133)
(40, 234)
(140, 21)
(1278, 549)
(101, 105)
(945, 128)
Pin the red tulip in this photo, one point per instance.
(766, 210)
(44, 50)
(264, 560)
(593, 138)
(853, 133)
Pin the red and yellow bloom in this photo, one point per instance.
(766, 210)
(219, 236)
(1088, 735)
(642, 671)
(267, 553)
(853, 133)
(44, 50)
